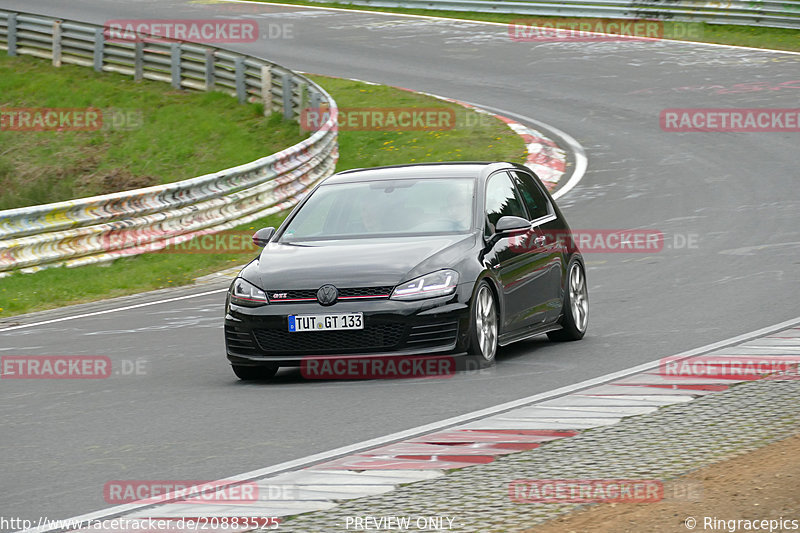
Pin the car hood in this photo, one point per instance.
(355, 262)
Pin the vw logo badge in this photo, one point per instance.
(327, 295)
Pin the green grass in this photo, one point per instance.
(477, 137)
(752, 36)
(175, 135)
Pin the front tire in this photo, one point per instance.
(575, 313)
(254, 373)
(484, 329)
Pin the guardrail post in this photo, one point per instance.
(138, 60)
(266, 89)
(175, 70)
(303, 101)
(288, 95)
(316, 99)
(12, 34)
(56, 43)
(210, 78)
(303, 86)
(99, 43)
(241, 88)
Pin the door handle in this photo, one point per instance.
(539, 241)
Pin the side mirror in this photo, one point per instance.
(510, 225)
(262, 236)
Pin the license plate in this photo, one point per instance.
(326, 322)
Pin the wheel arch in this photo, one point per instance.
(496, 292)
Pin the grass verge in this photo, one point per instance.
(56, 287)
(149, 133)
(474, 137)
(736, 35)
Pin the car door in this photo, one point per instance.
(549, 233)
(514, 259)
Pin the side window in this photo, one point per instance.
(534, 198)
(501, 200)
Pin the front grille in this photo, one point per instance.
(310, 295)
(240, 342)
(371, 338)
(371, 292)
(433, 334)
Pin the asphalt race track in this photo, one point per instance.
(185, 416)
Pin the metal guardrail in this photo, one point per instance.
(102, 228)
(772, 13)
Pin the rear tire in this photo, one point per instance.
(575, 313)
(484, 326)
(254, 373)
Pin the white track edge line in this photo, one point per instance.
(487, 22)
(106, 311)
(440, 425)
(581, 161)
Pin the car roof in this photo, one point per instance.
(471, 169)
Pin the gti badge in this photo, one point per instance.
(327, 295)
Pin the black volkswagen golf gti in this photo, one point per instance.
(448, 258)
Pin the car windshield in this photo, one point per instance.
(384, 208)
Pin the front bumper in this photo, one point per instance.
(260, 335)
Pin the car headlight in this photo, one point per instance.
(439, 283)
(246, 294)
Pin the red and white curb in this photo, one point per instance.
(545, 158)
(378, 469)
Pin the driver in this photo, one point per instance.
(371, 217)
